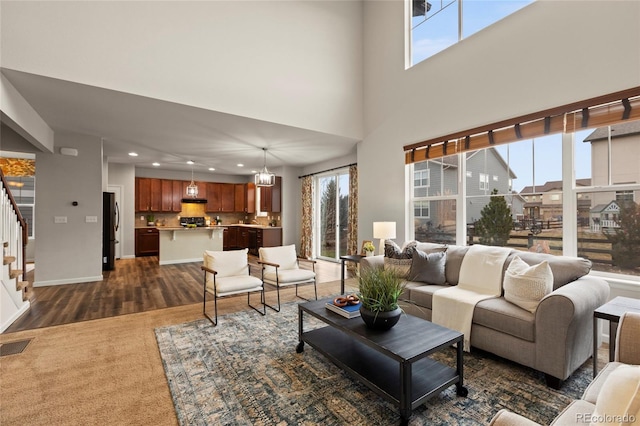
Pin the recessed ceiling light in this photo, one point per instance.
(133, 154)
(156, 164)
(211, 169)
(240, 165)
(190, 162)
(254, 171)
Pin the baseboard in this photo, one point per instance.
(67, 281)
(129, 256)
(24, 308)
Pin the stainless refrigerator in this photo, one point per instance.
(110, 223)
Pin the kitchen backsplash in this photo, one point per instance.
(172, 219)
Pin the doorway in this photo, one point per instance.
(332, 207)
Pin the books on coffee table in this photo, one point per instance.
(349, 311)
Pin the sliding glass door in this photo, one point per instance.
(332, 214)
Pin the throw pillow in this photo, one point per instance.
(525, 285)
(428, 267)
(618, 402)
(397, 258)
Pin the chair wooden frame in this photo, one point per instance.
(276, 283)
(215, 295)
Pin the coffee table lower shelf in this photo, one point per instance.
(381, 373)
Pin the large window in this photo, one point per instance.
(524, 181)
(438, 24)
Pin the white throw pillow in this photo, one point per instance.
(227, 263)
(525, 285)
(618, 402)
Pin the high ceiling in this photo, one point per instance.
(170, 133)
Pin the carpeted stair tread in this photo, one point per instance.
(15, 273)
(8, 260)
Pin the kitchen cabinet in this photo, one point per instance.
(148, 197)
(264, 237)
(230, 238)
(245, 198)
(220, 197)
(271, 197)
(243, 237)
(167, 195)
(147, 242)
(177, 193)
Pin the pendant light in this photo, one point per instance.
(264, 177)
(192, 188)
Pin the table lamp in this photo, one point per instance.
(384, 231)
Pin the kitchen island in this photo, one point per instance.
(184, 245)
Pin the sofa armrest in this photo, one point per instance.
(372, 262)
(507, 418)
(564, 325)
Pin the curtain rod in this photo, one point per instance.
(328, 170)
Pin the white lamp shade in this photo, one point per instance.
(384, 231)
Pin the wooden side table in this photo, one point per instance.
(355, 258)
(611, 311)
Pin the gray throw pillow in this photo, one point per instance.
(428, 267)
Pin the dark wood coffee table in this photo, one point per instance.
(393, 363)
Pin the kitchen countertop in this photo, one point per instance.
(183, 228)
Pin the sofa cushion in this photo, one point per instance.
(565, 269)
(500, 315)
(619, 398)
(227, 263)
(421, 294)
(428, 267)
(593, 390)
(525, 285)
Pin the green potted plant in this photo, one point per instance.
(379, 290)
(151, 220)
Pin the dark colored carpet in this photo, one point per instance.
(246, 371)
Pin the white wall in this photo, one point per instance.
(124, 175)
(291, 62)
(545, 55)
(70, 252)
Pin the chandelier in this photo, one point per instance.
(264, 177)
(192, 188)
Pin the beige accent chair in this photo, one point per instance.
(281, 267)
(594, 403)
(228, 273)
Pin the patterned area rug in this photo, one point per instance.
(246, 371)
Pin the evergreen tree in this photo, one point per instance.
(495, 222)
(626, 239)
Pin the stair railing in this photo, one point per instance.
(11, 216)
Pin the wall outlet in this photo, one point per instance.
(59, 219)
(91, 219)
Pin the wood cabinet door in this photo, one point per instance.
(176, 196)
(240, 190)
(147, 242)
(276, 196)
(250, 203)
(214, 201)
(265, 198)
(166, 186)
(227, 202)
(143, 195)
(243, 238)
(156, 195)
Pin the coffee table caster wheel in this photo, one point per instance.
(462, 391)
(300, 348)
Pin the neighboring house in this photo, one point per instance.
(625, 160)
(604, 216)
(486, 171)
(545, 202)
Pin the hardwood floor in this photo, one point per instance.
(136, 285)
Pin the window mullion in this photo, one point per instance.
(569, 198)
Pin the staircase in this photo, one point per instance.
(15, 291)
